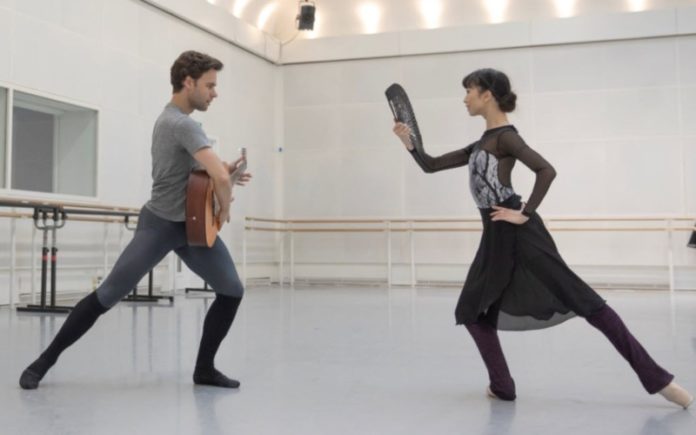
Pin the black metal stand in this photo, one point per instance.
(205, 289)
(60, 215)
(58, 222)
(149, 297)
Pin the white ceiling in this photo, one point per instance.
(350, 17)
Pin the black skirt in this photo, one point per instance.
(518, 280)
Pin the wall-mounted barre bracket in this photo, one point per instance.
(127, 223)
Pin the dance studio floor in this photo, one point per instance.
(344, 360)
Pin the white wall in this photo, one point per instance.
(615, 118)
(534, 32)
(115, 55)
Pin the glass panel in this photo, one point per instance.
(54, 146)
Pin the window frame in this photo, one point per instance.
(8, 190)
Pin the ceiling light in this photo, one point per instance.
(432, 12)
(637, 5)
(265, 14)
(314, 33)
(565, 8)
(238, 7)
(305, 15)
(370, 15)
(496, 10)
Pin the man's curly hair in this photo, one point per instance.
(191, 64)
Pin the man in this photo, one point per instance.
(178, 145)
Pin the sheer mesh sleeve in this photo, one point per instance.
(510, 143)
(453, 159)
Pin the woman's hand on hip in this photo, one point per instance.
(508, 215)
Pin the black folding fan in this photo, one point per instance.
(403, 112)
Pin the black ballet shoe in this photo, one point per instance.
(213, 377)
(30, 379)
(32, 375)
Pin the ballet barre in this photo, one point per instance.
(289, 228)
(49, 216)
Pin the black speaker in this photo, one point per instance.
(305, 16)
(692, 240)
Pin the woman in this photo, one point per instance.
(518, 280)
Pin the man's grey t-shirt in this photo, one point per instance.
(176, 137)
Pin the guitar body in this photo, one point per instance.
(201, 225)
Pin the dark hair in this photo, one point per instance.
(489, 79)
(191, 64)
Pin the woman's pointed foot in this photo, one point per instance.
(500, 396)
(676, 394)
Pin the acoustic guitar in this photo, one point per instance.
(202, 225)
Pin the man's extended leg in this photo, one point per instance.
(150, 244)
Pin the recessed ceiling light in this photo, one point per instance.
(370, 14)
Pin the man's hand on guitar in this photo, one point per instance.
(223, 215)
(231, 168)
(244, 179)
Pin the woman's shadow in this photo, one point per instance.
(674, 423)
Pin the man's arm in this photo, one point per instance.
(221, 180)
